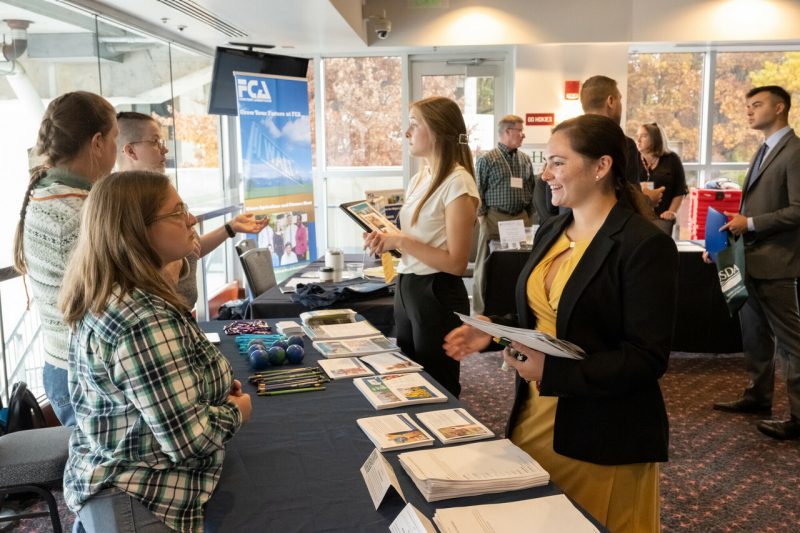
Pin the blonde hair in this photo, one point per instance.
(444, 119)
(113, 255)
(68, 124)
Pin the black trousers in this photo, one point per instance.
(423, 315)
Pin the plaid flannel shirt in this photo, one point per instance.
(150, 397)
(493, 171)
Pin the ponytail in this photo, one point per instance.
(19, 250)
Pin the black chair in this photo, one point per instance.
(259, 272)
(32, 461)
(245, 245)
(32, 457)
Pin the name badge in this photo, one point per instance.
(516, 183)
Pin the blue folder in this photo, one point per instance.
(716, 240)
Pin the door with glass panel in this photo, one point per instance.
(478, 87)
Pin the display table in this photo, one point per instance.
(295, 466)
(275, 304)
(703, 323)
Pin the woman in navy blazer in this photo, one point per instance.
(618, 287)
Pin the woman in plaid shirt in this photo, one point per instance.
(155, 402)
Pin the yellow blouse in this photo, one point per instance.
(624, 497)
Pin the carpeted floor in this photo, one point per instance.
(723, 475)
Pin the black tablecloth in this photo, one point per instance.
(703, 323)
(295, 466)
(275, 304)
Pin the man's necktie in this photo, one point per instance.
(759, 158)
(751, 176)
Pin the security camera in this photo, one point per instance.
(382, 26)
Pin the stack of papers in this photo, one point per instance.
(539, 515)
(397, 390)
(346, 367)
(391, 363)
(472, 469)
(532, 338)
(452, 426)
(355, 347)
(394, 432)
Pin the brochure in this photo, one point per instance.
(327, 316)
(341, 331)
(347, 367)
(355, 347)
(397, 390)
(391, 363)
(394, 432)
(528, 337)
(454, 425)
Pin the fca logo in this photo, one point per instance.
(255, 89)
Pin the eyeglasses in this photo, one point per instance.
(182, 212)
(155, 143)
(520, 130)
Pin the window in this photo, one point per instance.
(667, 88)
(671, 88)
(363, 111)
(736, 73)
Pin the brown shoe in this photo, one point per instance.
(744, 406)
(780, 429)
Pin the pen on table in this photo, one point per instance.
(289, 391)
(293, 384)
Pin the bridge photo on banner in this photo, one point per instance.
(275, 135)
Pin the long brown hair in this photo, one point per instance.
(594, 136)
(69, 122)
(114, 255)
(444, 119)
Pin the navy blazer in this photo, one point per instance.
(619, 305)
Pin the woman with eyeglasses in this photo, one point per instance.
(663, 168)
(155, 401)
(437, 218)
(77, 137)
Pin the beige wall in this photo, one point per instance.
(542, 69)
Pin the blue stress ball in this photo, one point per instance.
(259, 360)
(259, 346)
(295, 353)
(297, 340)
(283, 344)
(277, 355)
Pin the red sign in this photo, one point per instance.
(540, 119)
(572, 90)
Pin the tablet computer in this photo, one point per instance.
(369, 218)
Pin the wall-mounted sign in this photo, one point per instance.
(540, 119)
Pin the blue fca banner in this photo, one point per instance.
(275, 135)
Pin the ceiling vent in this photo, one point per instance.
(199, 13)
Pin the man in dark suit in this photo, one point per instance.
(769, 221)
(601, 96)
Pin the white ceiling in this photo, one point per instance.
(328, 27)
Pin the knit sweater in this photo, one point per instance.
(52, 221)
